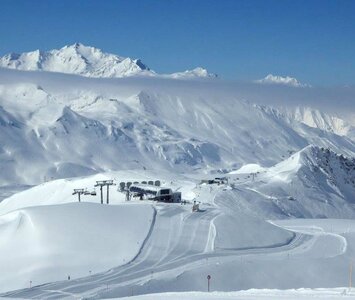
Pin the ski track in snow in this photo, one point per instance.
(138, 273)
(178, 241)
(321, 237)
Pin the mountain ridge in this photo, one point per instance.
(89, 62)
(84, 131)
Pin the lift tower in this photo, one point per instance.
(79, 192)
(101, 184)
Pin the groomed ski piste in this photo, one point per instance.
(261, 294)
(132, 248)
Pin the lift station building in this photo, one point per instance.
(157, 193)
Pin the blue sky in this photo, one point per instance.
(313, 41)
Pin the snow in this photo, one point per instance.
(318, 119)
(254, 294)
(60, 191)
(49, 243)
(282, 225)
(178, 263)
(249, 168)
(65, 126)
(290, 81)
(76, 59)
(313, 182)
(89, 62)
(228, 238)
(195, 73)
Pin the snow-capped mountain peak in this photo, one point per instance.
(90, 62)
(197, 72)
(76, 59)
(274, 79)
(321, 166)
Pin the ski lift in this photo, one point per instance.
(122, 186)
(93, 193)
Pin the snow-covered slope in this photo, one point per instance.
(312, 183)
(253, 294)
(50, 243)
(57, 126)
(228, 238)
(60, 191)
(318, 119)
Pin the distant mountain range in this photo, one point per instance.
(63, 125)
(90, 62)
(57, 126)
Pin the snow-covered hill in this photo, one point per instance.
(228, 238)
(66, 240)
(312, 183)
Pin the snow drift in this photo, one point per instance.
(50, 243)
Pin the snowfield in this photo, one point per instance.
(333, 294)
(229, 238)
(49, 243)
(279, 224)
